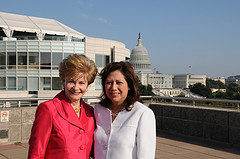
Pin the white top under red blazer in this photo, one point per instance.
(132, 135)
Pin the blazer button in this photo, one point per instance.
(108, 132)
(82, 147)
(81, 131)
(105, 147)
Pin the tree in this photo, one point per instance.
(144, 90)
(200, 89)
(232, 90)
(215, 84)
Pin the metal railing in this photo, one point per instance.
(203, 102)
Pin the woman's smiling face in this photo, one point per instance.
(75, 88)
(116, 88)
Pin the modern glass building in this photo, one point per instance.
(31, 49)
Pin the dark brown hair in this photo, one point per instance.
(77, 64)
(127, 70)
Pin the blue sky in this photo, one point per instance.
(202, 34)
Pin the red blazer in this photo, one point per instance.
(58, 133)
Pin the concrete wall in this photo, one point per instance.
(19, 124)
(213, 125)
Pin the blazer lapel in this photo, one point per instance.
(85, 112)
(66, 111)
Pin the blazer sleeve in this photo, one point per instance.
(146, 136)
(41, 131)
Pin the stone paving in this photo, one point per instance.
(168, 147)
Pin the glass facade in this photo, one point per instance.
(2, 83)
(33, 65)
(56, 83)
(22, 83)
(101, 60)
(98, 83)
(11, 83)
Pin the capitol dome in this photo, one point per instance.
(140, 59)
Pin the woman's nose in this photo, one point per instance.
(75, 86)
(114, 86)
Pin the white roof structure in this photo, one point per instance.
(40, 26)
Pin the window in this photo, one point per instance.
(98, 83)
(45, 83)
(2, 83)
(66, 54)
(56, 59)
(2, 60)
(22, 83)
(33, 60)
(11, 83)
(101, 60)
(11, 60)
(56, 83)
(45, 60)
(33, 83)
(22, 60)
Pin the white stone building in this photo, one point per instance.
(185, 80)
(140, 60)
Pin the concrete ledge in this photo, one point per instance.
(19, 124)
(208, 124)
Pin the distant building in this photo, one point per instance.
(186, 80)
(31, 49)
(141, 63)
(221, 79)
(218, 90)
(157, 80)
(233, 79)
(140, 59)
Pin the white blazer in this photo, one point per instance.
(132, 135)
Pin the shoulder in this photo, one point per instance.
(50, 104)
(142, 109)
(46, 105)
(98, 106)
(88, 107)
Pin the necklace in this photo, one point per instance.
(77, 110)
(115, 114)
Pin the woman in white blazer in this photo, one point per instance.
(125, 128)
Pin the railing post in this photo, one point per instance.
(238, 107)
(194, 103)
(19, 103)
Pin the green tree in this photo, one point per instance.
(215, 84)
(144, 90)
(232, 90)
(202, 90)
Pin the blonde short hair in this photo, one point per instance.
(77, 64)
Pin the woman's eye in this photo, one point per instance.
(119, 82)
(108, 83)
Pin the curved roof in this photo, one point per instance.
(41, 26)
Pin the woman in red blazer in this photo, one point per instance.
(64, 126)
